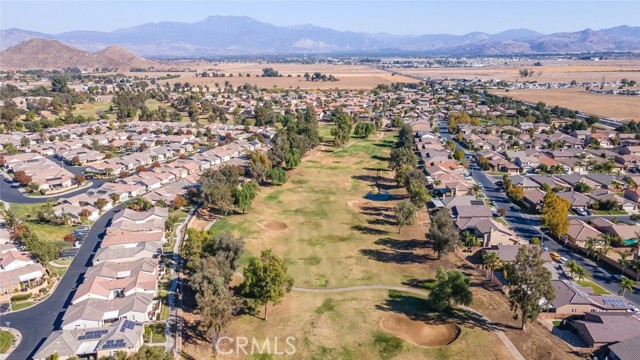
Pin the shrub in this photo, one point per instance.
(21, 297)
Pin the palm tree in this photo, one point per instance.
(475, 189)
(491, 261)
(625, 284)
(599, 253)
(572, 265)
(635, 265)
(591, 245)
(606, 242)
(623, 260)
(580, 271)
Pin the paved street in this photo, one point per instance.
(39, 321)
(528, 226)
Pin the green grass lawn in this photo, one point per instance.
(21, 305)
(92, 109)
(611, 212)
(6, 339)
(154, 333)
(45, 231)
(596, 288)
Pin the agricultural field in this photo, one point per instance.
(617, 107)
(552, 71)
(350, 76)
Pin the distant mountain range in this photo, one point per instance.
(234, 35)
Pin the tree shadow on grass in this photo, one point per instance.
(422, 284)
(369, 230)
(394, 256)
(417, 308)
(403, 245)
(382, 221)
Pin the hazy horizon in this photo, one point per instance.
(397, 17)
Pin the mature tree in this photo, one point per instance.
(138, 204)
(405, 213)
(217, 309)
(277, 175)
(529, 283)
(572, 265)
(266, 279)
(79, 179)
(101, 203)
(179, 202)
(402, 157)
(624, 260)
(259, 163)
(342, 130)
(458, 155)
(364, 129)
(405, 137)
(491, 262)
(293, 158)
(59, 83)
(451, 288)
(516, 193)
(152, 353)
(443, 233)
(243, 197)
(582, 188)
(626, 284)
(22, 178)
(115, 197)
(217, 187)
(555, 212)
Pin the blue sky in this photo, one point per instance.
(395, 17)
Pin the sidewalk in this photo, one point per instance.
(17, 338)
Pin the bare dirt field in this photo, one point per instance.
(617, 107)
(583, 71)
(350, 76)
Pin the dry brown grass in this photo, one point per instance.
(559, 71)
(615, 107)
(350, 76)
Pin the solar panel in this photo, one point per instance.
(615, 303)
(128, 324)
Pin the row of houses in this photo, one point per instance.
(119, 292)
(47, 174)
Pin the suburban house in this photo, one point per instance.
(572, 299)
(605, 328)
(97, 313)
(13, 280)
(121, 336)
(580, 232)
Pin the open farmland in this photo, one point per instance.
(582, 71)
(617, 107)
(350, 76)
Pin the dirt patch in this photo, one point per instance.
(275, 225)
(420, 333)
(358, 205)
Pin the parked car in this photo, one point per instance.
(555, 256)
(563, 260)
(619, 277)
(579, 212)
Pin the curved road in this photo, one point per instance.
(39, 321)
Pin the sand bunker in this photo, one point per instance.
(418, 332)
(275, 225)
